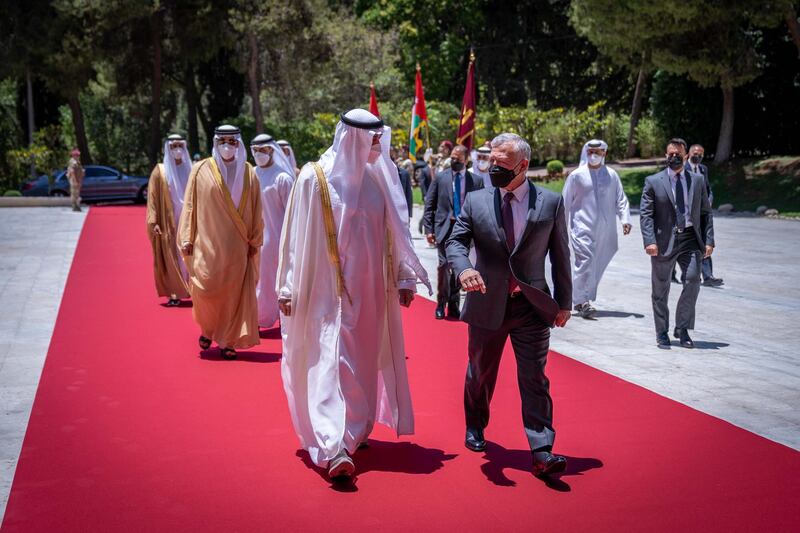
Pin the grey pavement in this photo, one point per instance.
(36, 249)
(745, 368)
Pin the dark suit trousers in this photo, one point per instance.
(530, 338)
(685, 252)
(447, 291)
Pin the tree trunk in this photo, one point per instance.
(725, 141)
(636, 112)
(80, 130)
(31, 120)
(794, 27)
(208, 127)
(252, 76)
(155, 96)
(192, 103)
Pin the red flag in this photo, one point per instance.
(466, 124)
(373, 101)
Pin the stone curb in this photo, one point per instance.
(34, 201)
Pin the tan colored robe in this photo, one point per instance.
(222, 278)
(166, 261)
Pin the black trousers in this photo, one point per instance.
(530, 338)
(686, 253)
(447, 291)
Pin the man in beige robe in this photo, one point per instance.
(165, 194)
(221, 231)
(75, 174)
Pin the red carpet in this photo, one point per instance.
(132, 430)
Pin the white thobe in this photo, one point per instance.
(343, 363)
(593, 200)
(276, 185)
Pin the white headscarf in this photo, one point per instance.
(240, 159)
(292, 160)
(177, 176)
(279, 159)
(585, 151)
(344, 164)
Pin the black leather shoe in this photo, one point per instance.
(713, 282)
(453, 311)
(474, 440)
(551, 464)
(684, 338)
(675, 279)
(439, 312)
(662, 339)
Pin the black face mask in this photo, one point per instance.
(675, 162)
(695, 159)
(457, 166)
(500, 176)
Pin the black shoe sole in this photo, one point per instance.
(556, 468)
(476, 448)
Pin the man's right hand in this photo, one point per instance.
(285, 305)
(651, 250)
(471, 280)
(156, 229)
(431, 238)
(187, 248)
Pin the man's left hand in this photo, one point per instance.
(562, 317)
(251, 251)
(709, 251)
(406, 297)
(626, 228)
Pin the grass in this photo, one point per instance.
(745, 183)
(632, 182)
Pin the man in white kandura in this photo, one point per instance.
(593, 199)
(480, 165)
(346, 266)
(276, 176)
(287, 150)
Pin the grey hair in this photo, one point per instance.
(521, 146)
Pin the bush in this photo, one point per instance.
(12, 192)
(555, 168)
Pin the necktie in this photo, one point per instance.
(508, 226)
(457, 195)
(680, 203)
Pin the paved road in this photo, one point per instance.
(745, 368)
(36, 249)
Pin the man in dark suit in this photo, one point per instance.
(405, 181)
(696, 154)
(443, 203)
(677, 227)
(513, 226)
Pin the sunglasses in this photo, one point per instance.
(228, 140)
(174, 145)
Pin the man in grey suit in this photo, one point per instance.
(677, 227)
(443, 202)
(514, 226)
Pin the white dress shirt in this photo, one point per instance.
(519, 207)
(673, 177)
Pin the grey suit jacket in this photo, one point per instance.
(546, 232)
(439, 202)
(657, 211)
(405, 181)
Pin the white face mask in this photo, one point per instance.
(177, 153)
(483, 165)
(374, 153)
(595, 159)
(261, 158)
(226, 151)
